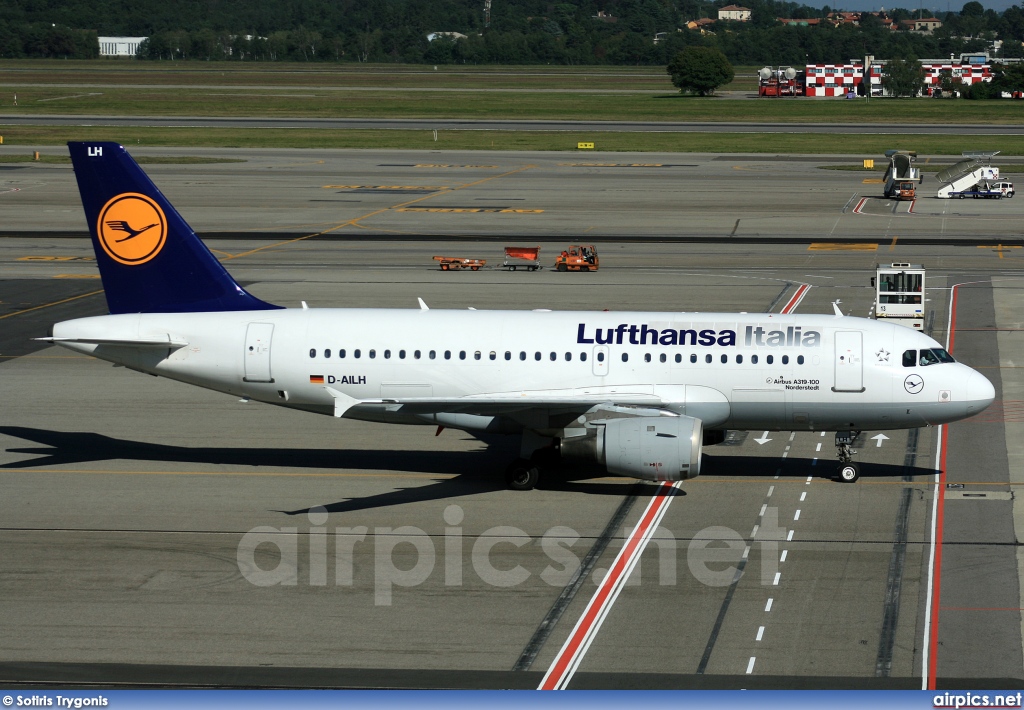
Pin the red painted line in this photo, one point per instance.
(912, 203)
(797, 297)
(933, 655)
(860, 205)
(563, 664)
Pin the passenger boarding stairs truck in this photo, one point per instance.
(901, 177)
(962, 178)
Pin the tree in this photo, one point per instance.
(700, 70)
(903, 77)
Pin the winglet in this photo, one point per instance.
(342, 402)
(835, 307)
(423, 305)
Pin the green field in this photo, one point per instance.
(867, 146)
(226, 89)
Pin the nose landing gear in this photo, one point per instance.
(848, 471)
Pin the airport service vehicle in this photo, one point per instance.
(1006, 188)
(901, 177)
(454, 263)
(578, 257)
(975, 169)
(638, 393)
(522, 258)
(899, 294)
(981, 190)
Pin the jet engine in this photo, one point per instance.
(649, 448)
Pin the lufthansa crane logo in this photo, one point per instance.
(132, 228)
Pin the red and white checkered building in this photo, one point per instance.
(966, 73)
(839, 79)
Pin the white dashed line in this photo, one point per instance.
(809, 479)
(792, 435)
(768, 606)
(778, 576)
(753, 533)
(803, 496)
(797, 516)
(750, 665)
(760, 633)
(746, 551)
(819, 448)
(763, 508)
(789, 538)
(782, 557)
(771, 489)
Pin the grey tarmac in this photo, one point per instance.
(128, 499)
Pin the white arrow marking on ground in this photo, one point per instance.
(763, 440)
(879, 438)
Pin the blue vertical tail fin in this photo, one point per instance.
(150, 260)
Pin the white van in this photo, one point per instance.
(1006, 188)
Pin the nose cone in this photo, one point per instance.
(980, 393)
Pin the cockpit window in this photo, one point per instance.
(943, 355)
(932, 356)
(928, 358)
(909, 358)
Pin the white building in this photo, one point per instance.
(120, 46)
(734, 12)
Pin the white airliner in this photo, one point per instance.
(638, 392)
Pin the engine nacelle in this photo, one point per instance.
(649, 448)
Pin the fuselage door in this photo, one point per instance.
(257, 352)
(601, 360)
(849, 363)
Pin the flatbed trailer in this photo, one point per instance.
(995, 194)
(454, 263)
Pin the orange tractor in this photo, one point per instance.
(578, 258)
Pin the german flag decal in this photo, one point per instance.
(316, 379)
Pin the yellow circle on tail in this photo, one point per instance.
(132, 228)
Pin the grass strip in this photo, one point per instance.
(865, 145)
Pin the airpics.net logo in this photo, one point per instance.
(503, 556)
(132, 229)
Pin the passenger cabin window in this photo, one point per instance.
(356, 353)
(462, 354)
(583, 357)
(327, 352)
(387, 354)
(785, 359)
(536, 356)
(552, 357)
(433, 354)
(663, 357)
(753, 359)
(769, 359)
(693, 357)
(600, 357)
(447, 354)
(625, 357)
(476, 354)
(401, 354)
(739, 359)
(799, 359)
(341, 353)
(312, 352)
(493, 355)
(568, 357)
(708, 358)
(373, 354)
(679, 357)
(725, 359)
(909, 358)
(522, 355)
(508, 355)
(647, 357)
(416, 354)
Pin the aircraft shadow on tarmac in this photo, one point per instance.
(475, 471)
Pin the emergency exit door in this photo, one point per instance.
(849, 362)
(257, 352)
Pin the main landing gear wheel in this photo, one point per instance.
(522, 475)
(849, 472)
